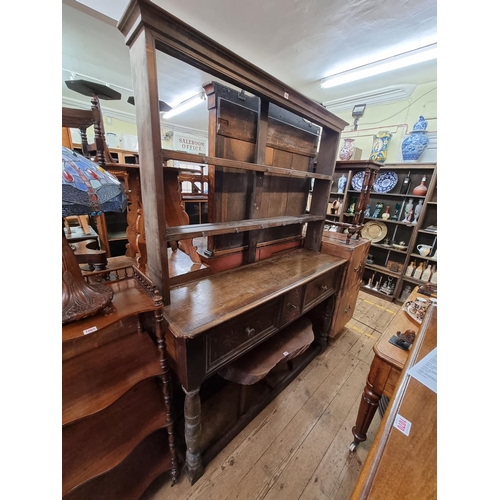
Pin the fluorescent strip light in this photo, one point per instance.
(391, 63)
(185, 105)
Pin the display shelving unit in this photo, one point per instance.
(390, 264)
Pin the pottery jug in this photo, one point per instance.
(347, 150)
(380, 145)
(414, 145)
(424, 250)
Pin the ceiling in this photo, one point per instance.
(297, 41)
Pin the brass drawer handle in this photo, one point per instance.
(250, 331)
(293, 306)
(324, 288)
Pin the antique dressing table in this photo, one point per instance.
(216, 319)
(271, 158)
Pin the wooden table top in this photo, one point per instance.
(205, 303)
(400, 323)
(398, 465)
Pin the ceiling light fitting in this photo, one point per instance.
(185, 105)
(416, 56)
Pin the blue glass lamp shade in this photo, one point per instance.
(87, 188)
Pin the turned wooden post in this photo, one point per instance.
(192, 430)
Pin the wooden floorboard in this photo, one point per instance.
(297, 448)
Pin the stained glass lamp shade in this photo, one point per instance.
(87, 189)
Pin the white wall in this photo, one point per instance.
(398, 118)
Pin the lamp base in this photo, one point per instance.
(80, 299)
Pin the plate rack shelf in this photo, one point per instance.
(389, 264)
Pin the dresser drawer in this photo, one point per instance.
(320, 288)
(292, 305)
(231, 339)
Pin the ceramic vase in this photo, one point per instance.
(414, 145)
(421, 189)
(347, 150)
(341, 183)
(380, 145)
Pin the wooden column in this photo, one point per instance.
(143, 64)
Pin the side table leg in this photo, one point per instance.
(367, 408)
(192, 429)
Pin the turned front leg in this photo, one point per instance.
(367, 408)
(326, 321)
(192, 430)
(374, 388)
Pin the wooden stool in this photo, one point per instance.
(287, 344)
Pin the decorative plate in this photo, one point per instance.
(374, 231)
(357, 180)
(416, 309)
(385, 182)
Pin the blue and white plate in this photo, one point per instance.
(385, 182)
(357, 181)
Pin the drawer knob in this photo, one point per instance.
(324, 288)
(250, 331)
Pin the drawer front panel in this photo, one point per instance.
(292, 302)
(229, 340)
(320, 288)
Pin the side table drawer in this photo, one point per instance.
(231, 339)
(320, 288)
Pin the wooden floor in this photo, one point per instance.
(297, 447)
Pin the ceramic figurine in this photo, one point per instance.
(341, 183)
(386, 214)
(347, 150)
(367, 211)
(352, 206)
(395, 215)
(414, 145)
(408, 207)
(416, 212)
(378, 208)
(380, 145)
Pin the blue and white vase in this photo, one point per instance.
(414, 145)
(341, 184)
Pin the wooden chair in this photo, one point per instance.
(286, 345)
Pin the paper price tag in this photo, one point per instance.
(402, 424)
(286, 353)
(90, 330)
